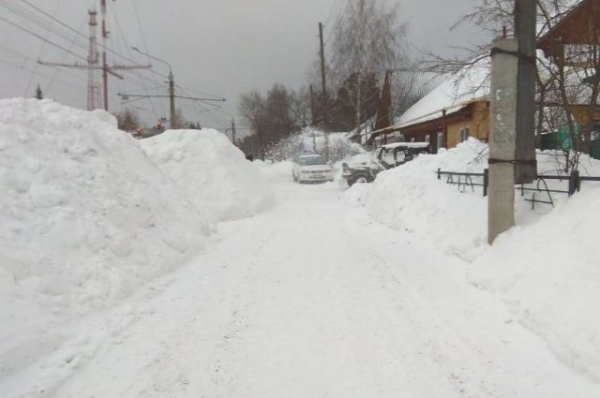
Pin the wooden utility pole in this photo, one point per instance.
(322, 54)
(324, 97)
(173, 122)
(313, 111)
(525, 32)
(360, 50)
(233, 132)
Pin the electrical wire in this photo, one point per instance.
(122, 36)
(41, 50)
(144, 42)
(42, 75)
(42, 38)
(62, 31)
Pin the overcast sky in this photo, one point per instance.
(218, 48)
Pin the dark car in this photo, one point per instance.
(383, 158)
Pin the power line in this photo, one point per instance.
(41, 50)
(141, 31)
(122, 36)
(41, 74)
(100, 45)
(75, 37)
(42, 38)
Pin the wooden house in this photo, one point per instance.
(459, 107)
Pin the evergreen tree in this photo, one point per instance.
(38, 93)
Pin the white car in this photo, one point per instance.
(312, 168)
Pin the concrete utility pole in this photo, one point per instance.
(512, 143)
(171, 96)
(171, 89)
(503, 125)
(104, 43)
(93, 89)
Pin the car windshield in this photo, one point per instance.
(312, 161)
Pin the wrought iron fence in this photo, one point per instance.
(541, 193)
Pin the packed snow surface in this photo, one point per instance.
(546, 269)
(383, 290)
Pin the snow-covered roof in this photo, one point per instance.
(459, 90)
(406, 145)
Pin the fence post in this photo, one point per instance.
(439, 173)
(574, 182)
(486, 180)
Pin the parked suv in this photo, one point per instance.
(312, 168)
(383, 158)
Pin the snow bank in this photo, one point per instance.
(547, 269)
(411, 198)
(215, 175)
(277, 171)
(549, 275)
(85, 218)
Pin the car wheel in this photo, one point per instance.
(359, 179)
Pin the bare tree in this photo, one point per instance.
(368, 40)
(567, 82)
(128, 120)
(273, 117)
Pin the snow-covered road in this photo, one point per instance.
(313, 299)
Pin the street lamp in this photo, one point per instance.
(172, 121)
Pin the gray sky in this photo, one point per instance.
(216, 47)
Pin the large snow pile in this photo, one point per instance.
(215, 175)
(546, 269)
(85, 218)
(276, 171)
(549, 275)
(411, 198)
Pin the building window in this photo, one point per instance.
(464, 134)
(440, 140)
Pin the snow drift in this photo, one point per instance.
(88, 217)
(411, 198)
(84, 214)
(546, 269)
(213, 173)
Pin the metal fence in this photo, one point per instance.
(541, 193)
